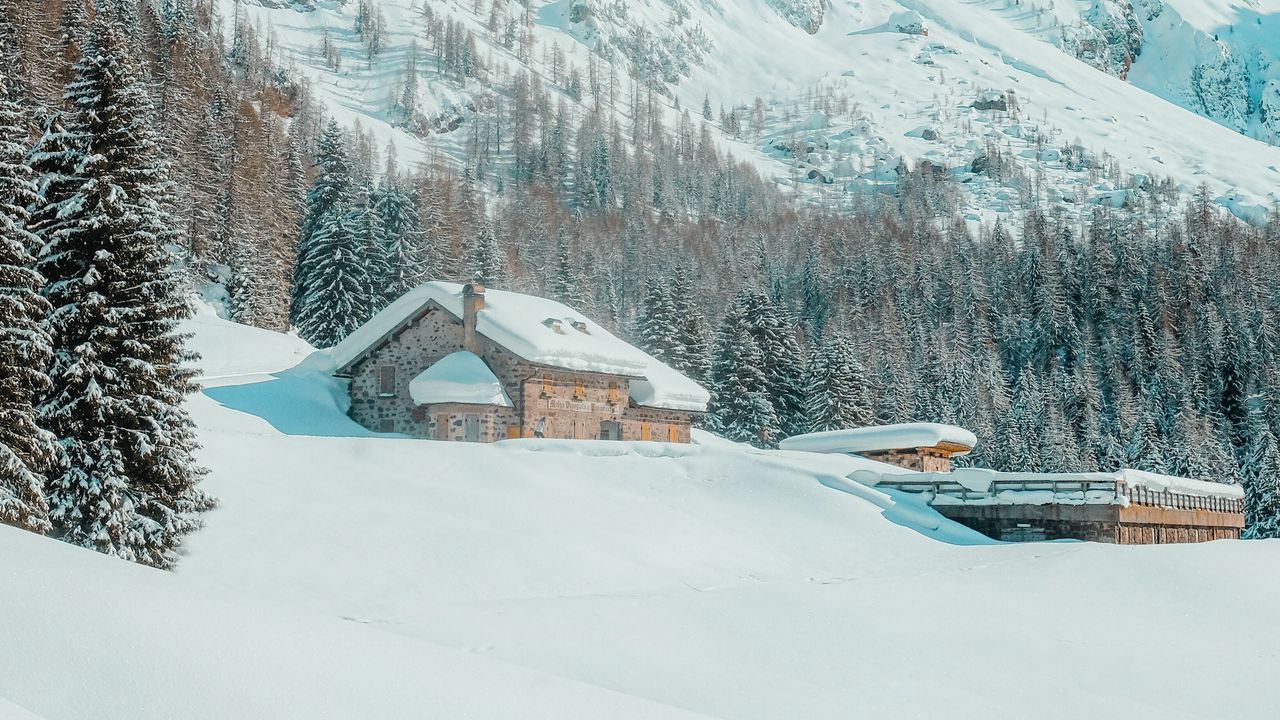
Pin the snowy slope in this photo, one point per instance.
(886, 86)
(352, 575)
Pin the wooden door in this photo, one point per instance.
(471, 428)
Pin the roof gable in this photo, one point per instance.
(541, 331)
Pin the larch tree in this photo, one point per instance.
(27, 452)
(128, 481)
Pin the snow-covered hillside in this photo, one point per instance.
(351, 575)
(849, 88)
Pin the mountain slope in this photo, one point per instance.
(352, 575)
(879, 88)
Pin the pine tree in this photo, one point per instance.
(1260, 471)
(740, 409)
(128, 481)
(485, 260)
(331, 195)
(783, 364)
(837, 392)
(27, 452)
(335, 300)
(410, 261)
(656, 329)
(566, 282)
(691, 329)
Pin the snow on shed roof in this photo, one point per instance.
(460, 377)
(902, 436)
(541, 331)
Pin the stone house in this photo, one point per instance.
(455, 362)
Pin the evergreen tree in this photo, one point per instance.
(330, 196)
(740, 409)
(566, 282)
(128, 481)
(691, 329)
(1260, 471)
(485, 260)
(656, 327)
(783, 366)
(837, 393)
(27, 452)
(410, 261)
(337, 287)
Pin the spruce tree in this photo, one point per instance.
(485, 260)
(1260, 474)
(335, 300)
(740, 409)
(691, 328)
(566, 282)
(331, 194)
(837, 392)
(410, 261)
(783, 363)
(656, 329)
(27, 452)
(127, 485)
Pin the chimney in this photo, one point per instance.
(472, 304)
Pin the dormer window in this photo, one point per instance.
(555, 325)
(581, 327)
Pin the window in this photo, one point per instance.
(386, 425)
(386, 380)
(579, 389)
(547, 386)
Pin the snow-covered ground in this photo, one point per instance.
(350, 575)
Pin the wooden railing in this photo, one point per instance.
(1114, 489)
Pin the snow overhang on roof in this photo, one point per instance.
(903, 436)
(541, 331)
(461, 377)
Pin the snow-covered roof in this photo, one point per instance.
(541, 331)
(460, 377)
(902, 436)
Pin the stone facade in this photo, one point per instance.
(920, 459)
(575, 405)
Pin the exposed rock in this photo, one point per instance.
(804, 14)
(991, 100)
(908, 22)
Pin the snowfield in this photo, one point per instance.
(348, 575)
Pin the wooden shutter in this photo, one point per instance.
(613, 393)
(673, 433)
(547, 385)
(644, 431)
(513, 431)
(579, 390)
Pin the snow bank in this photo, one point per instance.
(541, 331)
(460, 377)
(902, 436)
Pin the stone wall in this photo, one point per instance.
(575, 404)
(920, 459)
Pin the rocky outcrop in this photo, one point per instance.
(1109, 36)
(804, 14)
